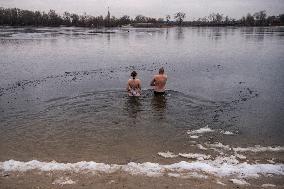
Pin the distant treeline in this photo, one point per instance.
(19, 17)
(257, 19)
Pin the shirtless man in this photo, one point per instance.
(159, 82)
(134, 85)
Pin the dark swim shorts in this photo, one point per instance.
(159, 93)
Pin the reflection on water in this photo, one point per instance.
(47, 74)
(159, 105)
(133, 106)
(93, 125)
(216, 34)
(179, 33)
(167, 33)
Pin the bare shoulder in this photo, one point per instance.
(161, 76)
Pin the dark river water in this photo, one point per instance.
(62, 92)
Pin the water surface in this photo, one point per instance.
(62, 92)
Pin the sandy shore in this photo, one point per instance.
(39, 180)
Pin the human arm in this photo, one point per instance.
(152, 82)
(127, 87)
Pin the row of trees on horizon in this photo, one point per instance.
(19, 17)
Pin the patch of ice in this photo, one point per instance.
(201, 147)
(111, 181)
(198, 175)
(194, 136)
(200, 131)
(167, 154)
(219, 145)
(13, 165)
(174, 175)
(231, 160)
(221, 183)
(258, 148)
(227, 132)
(220, 167)
(148, 169)
(268, 185)
(188, 175)
(63, 181)
(185, 155)
(240, 156)
(195, 156)
(239, 182)
(271, 160)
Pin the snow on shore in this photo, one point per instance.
(218, 167)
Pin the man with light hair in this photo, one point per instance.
(159, 82)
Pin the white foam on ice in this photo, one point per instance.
(198, 175)
(201, 147)
(174, 175)
(200, 131)
(188, 175)
(220, 145)
(195, 156)
(185, 155)
(239, 182)
(271, 160)
(231, 160)
(13, 165)
(220, 167)
(268, 185)
(221, 183)
(63, 181)
(258, 148)
(194, 136)
(167, 154)
(240, 156)
(227, 132)
(148, 169)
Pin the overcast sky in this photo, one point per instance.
(153, 8)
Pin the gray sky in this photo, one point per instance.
(153, 8)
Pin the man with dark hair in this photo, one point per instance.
(159, 82)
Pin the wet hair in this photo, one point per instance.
(133, 74)
(161, 70)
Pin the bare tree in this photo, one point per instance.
(281, 18)
(219, 18)
(260, 17)
(249, 20)
(125, 20)
(160, 20)
(140, 19)
(179, 16)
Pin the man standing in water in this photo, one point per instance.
(159, 82)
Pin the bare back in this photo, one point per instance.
(134, 87)
(159, 82)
